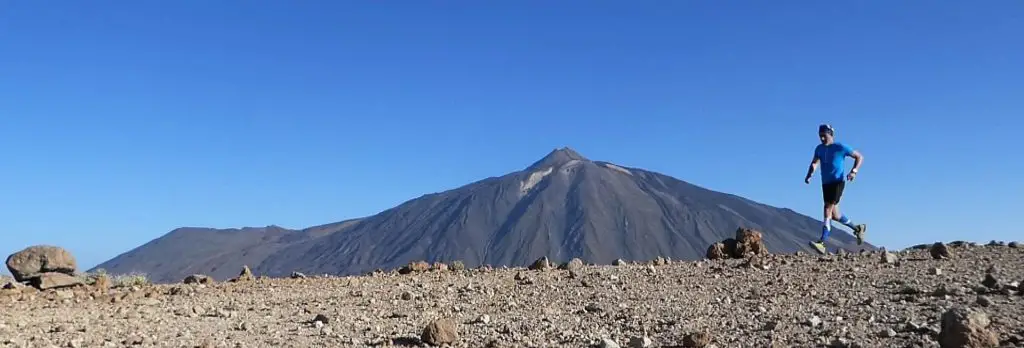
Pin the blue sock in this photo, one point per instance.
(825, 231)
(846, 221)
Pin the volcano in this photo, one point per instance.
(561, 206)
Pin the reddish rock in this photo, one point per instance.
(417, 266)
(35, 260)
(749, 242)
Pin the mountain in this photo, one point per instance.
(562, 206)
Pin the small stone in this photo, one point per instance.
(888, 333)
(814, 321)
(983, 301)
(484, 319)
(608, 343)
(697, 340)
(640, 342)
(245, 275)
(322, 319)
(198, 279)
(408, 296)
(439, 332)
(936, 271)
(990, 281)
(889, 258)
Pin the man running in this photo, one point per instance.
(832, 156)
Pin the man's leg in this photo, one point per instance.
(858, 230)
(828, 194)
(826, 228)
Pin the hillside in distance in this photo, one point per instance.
(562, 206)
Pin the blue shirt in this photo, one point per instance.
(832, 158)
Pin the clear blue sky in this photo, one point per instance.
(120, 121)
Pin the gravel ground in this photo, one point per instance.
(854, 300)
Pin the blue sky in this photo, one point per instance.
(120, 121)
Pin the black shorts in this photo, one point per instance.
(832, 192)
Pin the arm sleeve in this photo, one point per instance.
(847, 149)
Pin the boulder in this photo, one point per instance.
(542, 264)
(939, 251)
(54, 280)
(245, 275)
(36, 260)
(440, 332)
(717, 251)
(749, 242)
(573, 265)
(964, 327)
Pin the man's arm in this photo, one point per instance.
(812, 167)
(857, 160)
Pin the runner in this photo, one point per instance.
(832, 156)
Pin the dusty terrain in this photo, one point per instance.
(855, 300)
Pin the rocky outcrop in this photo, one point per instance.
(33, 261)
(748, 242)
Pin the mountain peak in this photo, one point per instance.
(557, 158)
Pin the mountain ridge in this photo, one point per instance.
(560, 206)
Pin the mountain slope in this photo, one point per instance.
(219, 253)
(561, 206)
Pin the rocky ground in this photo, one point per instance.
(857, 300)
